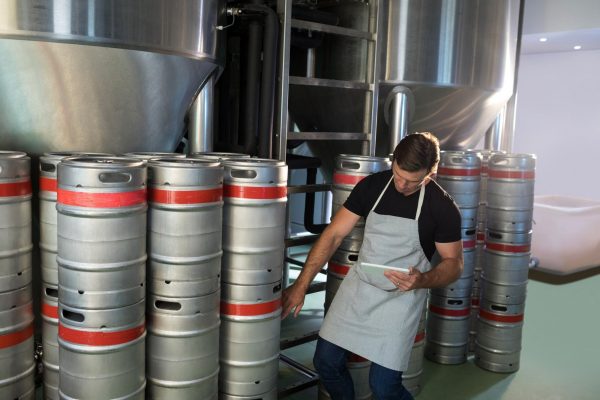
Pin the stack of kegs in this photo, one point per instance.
(101, 204)
(17, 366)
(510, 195)
(48, 168)
(479, 246)
(349, 170)
(254, 218)
(184, 245)
(449, 308)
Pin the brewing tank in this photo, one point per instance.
(111, 76)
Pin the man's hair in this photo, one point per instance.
(418, 151)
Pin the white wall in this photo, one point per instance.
(558, 119)
(560, 15)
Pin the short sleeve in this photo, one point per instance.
(358, 200)
(448, 220)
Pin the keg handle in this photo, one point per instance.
(73, 316)
(167, 305)
(114, 177)
(455, 302)
(47, 167)
(498, 308)
(470, 232)
(353, 257)
(52, 292)
(350, 165)
(501, 161)
(459, 160)
(494, 235)
(243, 173)
(277, 288)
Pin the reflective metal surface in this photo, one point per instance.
(128, 91)
(458, 58)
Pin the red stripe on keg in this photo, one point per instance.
(500, 318)
(49, 311)
(185, 196)
(100, 338)
(468, 244)
(474, 301)
(508, 248)
(14, 338)
(451, 313)
(420, 336)
(484, 169)
(500, 174)
(344, 179)
(248, 310)
(255, 192)
(48, 184)
(338, 268)
(459, 171)
(15, 189)
(481, 236)
(101, 200)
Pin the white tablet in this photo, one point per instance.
(379, 269)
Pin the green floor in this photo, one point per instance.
(560, 357)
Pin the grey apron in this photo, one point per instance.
(368, 315)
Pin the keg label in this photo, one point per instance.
(338, 268)
(345, 179)
(463, 312)
(48, 184)
(501, 318)
(14, 189)
(101, 200)
(248, 310)
(255, 192)
(508, 248)
(185, 196)
(499, 174)
(14, 338)
(459, 171)
(49, 310)
(100, 338)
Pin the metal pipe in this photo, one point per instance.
(200, 130)
(398, 106)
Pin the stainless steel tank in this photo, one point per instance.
(95, 75)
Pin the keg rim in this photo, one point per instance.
(363, 158)
(11, 154)
(253, 162)
(102, 162)
(216, 155)
(181, 162)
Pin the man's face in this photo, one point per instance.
(408, 182)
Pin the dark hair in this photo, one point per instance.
(418, 151)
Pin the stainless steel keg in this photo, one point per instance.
(50, 358)
(101, 205)
(250, 335)
(255, 195)
(184, 226)
(183, 347)
(459, 173)
(447, 329)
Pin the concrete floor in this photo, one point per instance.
(560, 358)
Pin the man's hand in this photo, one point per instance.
(405, 282)
(293, 297)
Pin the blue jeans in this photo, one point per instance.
(330, 362)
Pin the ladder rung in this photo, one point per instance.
(328, 136)
(336, 30)
(330, 83)
(292, 189)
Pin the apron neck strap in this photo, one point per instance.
(381, 194)
(419, 205)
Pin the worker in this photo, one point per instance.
(376, 315)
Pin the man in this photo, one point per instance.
(376, 315)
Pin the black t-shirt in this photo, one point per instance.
(440, 217)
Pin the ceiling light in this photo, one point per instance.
(578, 47)
(543, 39)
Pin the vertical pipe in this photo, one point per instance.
(310, 62)
(200, 133)
(284, 9)
(493, 136)
(398, 119)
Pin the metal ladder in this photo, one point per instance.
(286, 84)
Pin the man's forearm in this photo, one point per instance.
(320, 253)
(446, 272)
